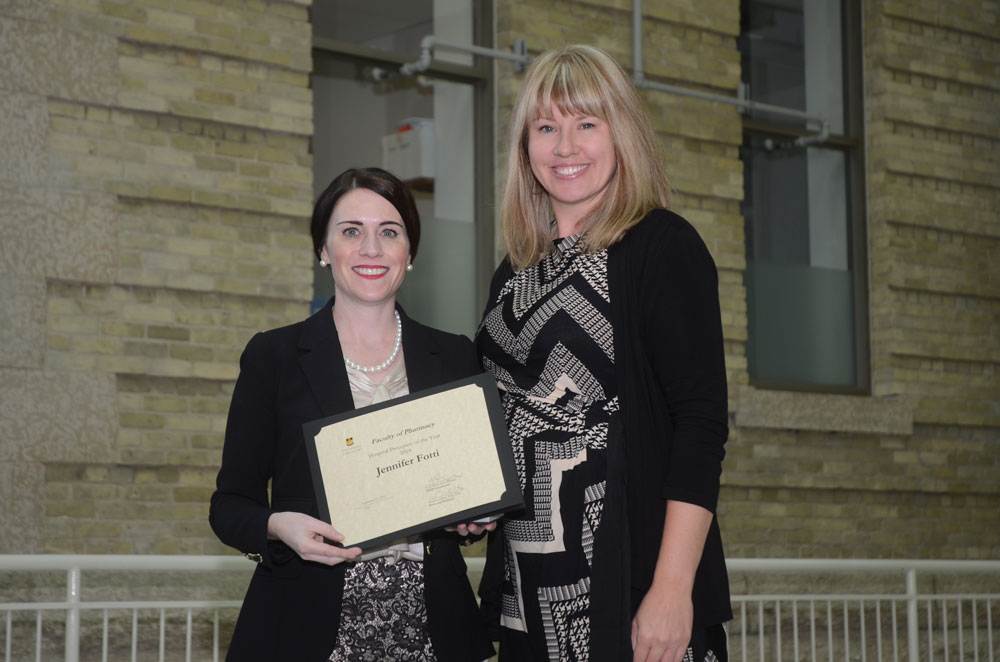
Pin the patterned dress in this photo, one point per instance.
(547, 339)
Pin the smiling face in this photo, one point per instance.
(573, 158)
(367, 248)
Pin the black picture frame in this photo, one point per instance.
(510, 500)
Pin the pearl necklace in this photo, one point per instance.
(392, 357)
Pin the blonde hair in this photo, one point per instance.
(581, 80)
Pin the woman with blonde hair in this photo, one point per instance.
(604, 333)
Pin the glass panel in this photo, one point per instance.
(799, 279)
(792, 57)
(429, 129)
(389, 25)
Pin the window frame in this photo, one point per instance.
(851, 144)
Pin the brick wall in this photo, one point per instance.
(934, 190)
(913, 469)
(156, 181)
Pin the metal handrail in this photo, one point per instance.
(916, 611)
(124, 562)
(207, 563)
(872, 565)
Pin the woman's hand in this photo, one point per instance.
(471, 528)
(304, 534)
(661, 629)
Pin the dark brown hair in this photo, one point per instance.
(376, 180)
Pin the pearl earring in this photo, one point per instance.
(409, 267)
(322, 262)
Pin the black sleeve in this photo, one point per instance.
(501, 275)
(683, 331)
(469, 359)
(239, 508)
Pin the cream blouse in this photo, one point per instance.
(366, 391)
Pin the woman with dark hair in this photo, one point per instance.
(604, 333)
(310, 600)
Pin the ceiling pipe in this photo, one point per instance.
(429, 44)
(637, 76)
(742, 101)
(519, 56)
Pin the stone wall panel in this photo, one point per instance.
(45, 59)
(30, 9)
(22, 492)
(59, 234)
(57, 416)
(23, 134)
(22, 333)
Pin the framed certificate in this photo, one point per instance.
(423, 461)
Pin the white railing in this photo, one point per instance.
(70, 610)
(774, 625)
(915, 625)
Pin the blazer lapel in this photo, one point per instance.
(423, 361)
(322, 362)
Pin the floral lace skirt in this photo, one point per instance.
(383, 615)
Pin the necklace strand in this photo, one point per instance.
(392, 357)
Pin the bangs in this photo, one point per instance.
(572, 88)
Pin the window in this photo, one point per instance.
(359, 97)
(803, 196)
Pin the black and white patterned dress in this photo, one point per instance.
(547, 339)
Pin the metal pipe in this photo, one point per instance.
(637, 75)
(816, 138)
(639, 78)
(424, 61)
(520, 58)
(744, 103)
(229, 562)
(73, 615)
(189, 563)
(429, 43)
(480, 50)
(748, 104)
(912, 626)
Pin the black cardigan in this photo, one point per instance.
(668, 438)
(289, 376)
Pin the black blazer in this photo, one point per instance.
(292, 608)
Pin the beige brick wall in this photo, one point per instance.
(913, 469)
(934, 191)
(155, 184)
(156, 181)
